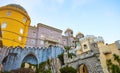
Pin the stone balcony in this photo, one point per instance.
(51, 39)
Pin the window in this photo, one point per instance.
(59, 40)
(33, 41)
(85, 46)
(42, 36)
(4, 25)
(8, 13)
(42, 42)
(21, 30)
(19, 38)
(24, 20)
(33, 31)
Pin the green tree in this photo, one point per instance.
(60, 57)
(70, 55)
(67, 48)
(68, 69)
(114, 68)
(109, 65)
(116, 58)
(43, 65)
(23, 65)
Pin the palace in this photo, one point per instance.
(17, 31)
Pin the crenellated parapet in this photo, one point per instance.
(99, 39)
(85, 38)
(93, 38)
(12, 58)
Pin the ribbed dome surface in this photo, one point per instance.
(18, 6)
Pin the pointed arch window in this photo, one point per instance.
(21, 30)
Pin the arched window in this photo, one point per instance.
(83, 69)
(4, 25)
(85, 46)
(21, 30)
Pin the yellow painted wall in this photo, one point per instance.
(106, 52)
(14, 21)
(110, 49)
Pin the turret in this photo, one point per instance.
(69, 32)
(79, 35)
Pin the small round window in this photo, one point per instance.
(8, 13)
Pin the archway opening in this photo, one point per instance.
(5, 60)
(30, 61)
(83, 69)
(8, 61)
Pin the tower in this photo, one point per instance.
(79, 35)
(14, 22)
(69, 32)
(69, 35)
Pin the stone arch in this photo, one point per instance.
(82, 68)
(4, 60)
(8, 61)
(30, 58)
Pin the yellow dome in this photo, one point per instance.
(14, 21)
(17, 6)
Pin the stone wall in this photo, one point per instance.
(12, 58)
(89, 58)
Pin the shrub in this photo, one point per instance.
(68, 69)
(114, 68)
(61, 58)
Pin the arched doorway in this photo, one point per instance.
(8, 61)
(83, 69)
(30, 61)
(4, 61)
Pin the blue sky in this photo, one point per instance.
(91, 17)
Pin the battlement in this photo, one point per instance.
(99, 39)
(92, 37)
(12, 58)
(85, 55)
